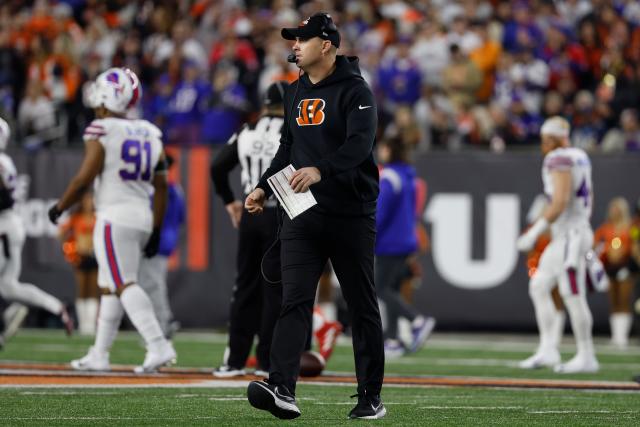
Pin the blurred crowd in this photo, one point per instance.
(448, 74)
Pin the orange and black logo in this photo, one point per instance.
(310, 112)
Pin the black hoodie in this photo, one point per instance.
(332, 125)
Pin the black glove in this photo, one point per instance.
(54, 214)
(151, 249)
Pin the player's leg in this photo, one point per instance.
(560, 317)
(621, 319)
(110, 312)
(123, 248)
(153, 279)
(540, 286)
(573, 288)
(13, 290)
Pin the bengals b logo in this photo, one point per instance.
(310, 112)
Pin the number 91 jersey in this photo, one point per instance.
(578, 211)
(122, 190)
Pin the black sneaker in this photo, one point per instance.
(368, 408)
(637, 379)
(273, 398)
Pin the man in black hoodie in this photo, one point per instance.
(329, 135)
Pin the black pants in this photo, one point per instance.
(307, 242)
(255, 304)
(391, 270)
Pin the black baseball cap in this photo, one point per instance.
(275, 93)
(318, 25)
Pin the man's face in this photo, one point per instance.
(308, 51)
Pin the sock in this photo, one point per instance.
(108, 322)
(545, 315)
(91, 311)
(558, 327)
(620, 328)
(81, 315)
(329, 310)
(581, 323)
(138, 307)
(318, 319)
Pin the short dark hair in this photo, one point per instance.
(398, 149)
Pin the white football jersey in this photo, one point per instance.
(124, 186)
(578, 210)
(257, 145)
(8, 172)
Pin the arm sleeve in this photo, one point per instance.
(283, 155)
(362, 121)
(225, 161)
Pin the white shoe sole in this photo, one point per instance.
(231, 374)
(377, 416)
(168, 360)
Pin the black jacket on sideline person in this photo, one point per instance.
(341, 149)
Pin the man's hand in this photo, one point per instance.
(234, 209)
(526, 242)
(54, 214)
(153, 244)
(304, 178)
(255, 201)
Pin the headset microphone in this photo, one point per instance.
(292, 58)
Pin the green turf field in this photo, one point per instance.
(327, 405)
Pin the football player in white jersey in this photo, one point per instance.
(126, 160)
(566, 174)
(12, 237)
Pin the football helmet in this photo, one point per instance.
(113, 89)
(135, 85)
(5, 134)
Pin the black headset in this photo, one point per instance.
(328, 26)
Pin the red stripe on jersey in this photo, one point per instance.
(559, 162)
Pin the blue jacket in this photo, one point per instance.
(396, 219)
(173, 219)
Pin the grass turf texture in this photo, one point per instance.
(326, 405)
(320, 406)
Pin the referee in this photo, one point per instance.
(255, 303)
(329, 135)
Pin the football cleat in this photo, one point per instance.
(155, 359)
(67, 321)
(93, 361)
(394, 349)
(327, 337)
(226, 371)
(421, 329)
(540, 360)
(578, 365)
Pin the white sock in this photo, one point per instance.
(581, 323)
(318, 320)
(329, 310)
(620, 328)
(138, 307)
(81, 315)
(91, 311)
(558, 327)
(108, 322)
(545, 316)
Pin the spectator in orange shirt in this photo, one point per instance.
(613, 243)
(77, 237)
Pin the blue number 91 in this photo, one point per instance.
(137, 157)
